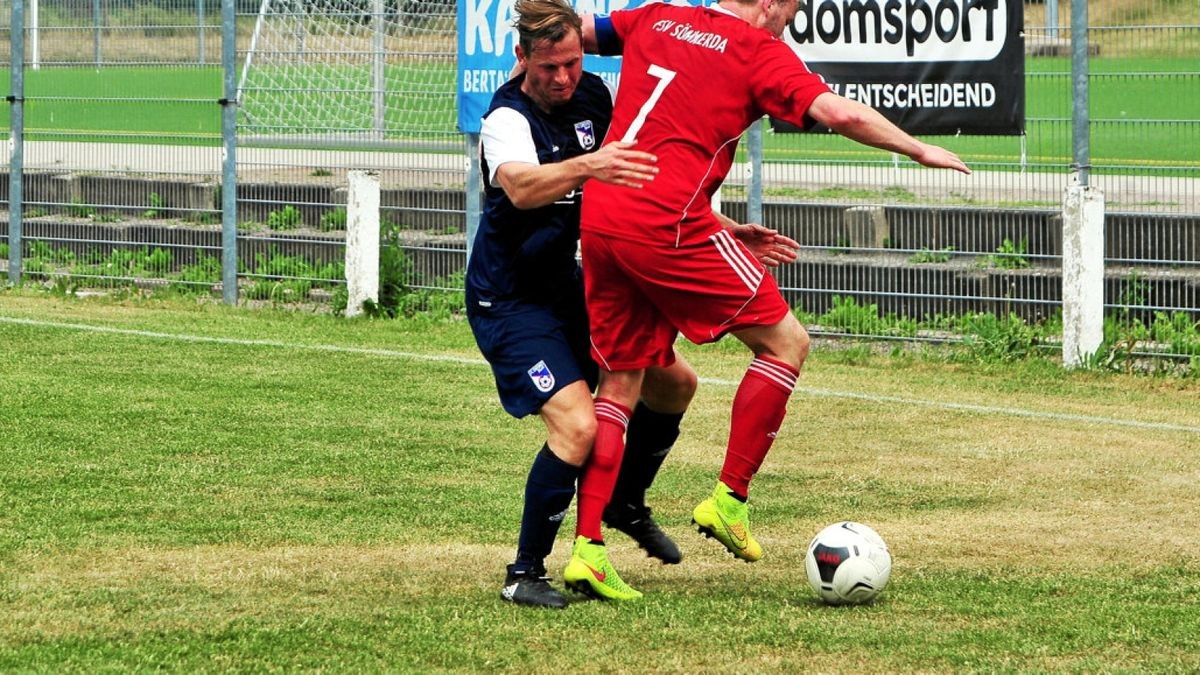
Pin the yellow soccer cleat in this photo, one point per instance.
(590, 573)
(726, 518)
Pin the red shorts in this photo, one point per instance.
(640, 297)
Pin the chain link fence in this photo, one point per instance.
(122, 160)
(122, 166)
(884, 239)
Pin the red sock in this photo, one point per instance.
(600, 473)
(758, 410)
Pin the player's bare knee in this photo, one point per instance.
(684, 386)
(572, 432)
(786, 341)
(579, 436)
(670, 390)
(803, 344)
(791, 343)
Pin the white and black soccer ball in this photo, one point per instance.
(848, 564)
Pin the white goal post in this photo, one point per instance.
(347, 72)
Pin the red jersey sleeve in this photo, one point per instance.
(783, 85)
(624, 20)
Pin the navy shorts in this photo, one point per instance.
(534, 351)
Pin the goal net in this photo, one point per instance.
(347, 72)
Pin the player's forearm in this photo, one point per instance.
(864, 124)
(726, 222)
(538, 186)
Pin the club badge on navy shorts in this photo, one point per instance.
(542, 378)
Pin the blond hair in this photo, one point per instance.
(549, 20)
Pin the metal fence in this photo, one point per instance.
(122, 160)
(124, 157)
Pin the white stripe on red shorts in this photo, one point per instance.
(747, 268)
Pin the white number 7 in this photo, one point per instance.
(664, 78)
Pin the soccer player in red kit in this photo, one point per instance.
(657, 262)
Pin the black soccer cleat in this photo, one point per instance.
(636, 522)
(531, 588)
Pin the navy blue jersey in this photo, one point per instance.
(528, 256)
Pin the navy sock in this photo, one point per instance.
(647, 442)
(548, 493)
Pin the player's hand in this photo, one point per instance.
(768, 246)
(939, 158)
(619, 164)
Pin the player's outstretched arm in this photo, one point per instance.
(530, 186)
(864, 124)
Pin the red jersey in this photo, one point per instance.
(693, 79)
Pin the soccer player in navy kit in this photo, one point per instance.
(524, 296)
(525, 290)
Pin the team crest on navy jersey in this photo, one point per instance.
(542, 378)
(586, 134)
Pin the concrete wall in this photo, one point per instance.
(850, 249)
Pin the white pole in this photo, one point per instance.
(34, 49)
(362, 240)
(1083, 274)
(258, 26)
(378, 59)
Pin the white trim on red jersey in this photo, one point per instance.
(699, 190)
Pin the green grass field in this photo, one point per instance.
(201, 488)
(165, 105)
(179, 105)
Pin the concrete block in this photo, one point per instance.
(200, 197)
(64, 188)
(256, 201)
(422, 209)
(36, 187)
(866, 226)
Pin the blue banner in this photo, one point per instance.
(486, 38)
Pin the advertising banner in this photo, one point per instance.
(930, 66)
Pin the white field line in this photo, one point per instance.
(444, 358)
